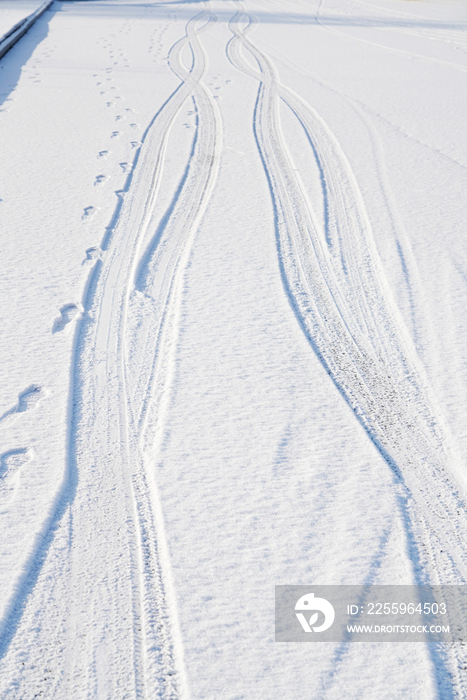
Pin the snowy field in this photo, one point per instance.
(13, 11)
(234, 341)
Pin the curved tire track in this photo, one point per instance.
(113, 590)
(158, 275)
(337, 286)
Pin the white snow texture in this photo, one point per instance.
(234, 340)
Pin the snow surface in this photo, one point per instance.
(14, 11)
(233, 292)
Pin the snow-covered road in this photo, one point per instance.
(233, 341)
(12, 13)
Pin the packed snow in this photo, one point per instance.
(233, 293)
(13, 12)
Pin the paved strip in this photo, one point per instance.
(14, 34)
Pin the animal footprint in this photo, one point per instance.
(103, 154)
(10, 464)
(92, 254)
(125, 167)
(115, 134)
(99, 180)
(12, 460)
(27, 400)
(67, 314)
(88, 213)
(135, 144)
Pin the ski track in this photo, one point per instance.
(337, 288)
(442, 36)
(117, 559)
(452, 37)
(428, 59)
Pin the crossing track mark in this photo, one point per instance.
(157, 273)
(337, 287)
(106, 390)
(113, 587)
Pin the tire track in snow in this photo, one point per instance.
(120, 603)
(156, 273)
(157, 278)
(337, 287)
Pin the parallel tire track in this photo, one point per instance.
(103, 383)
(337, 287)
(336, 284)
(158, 276)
